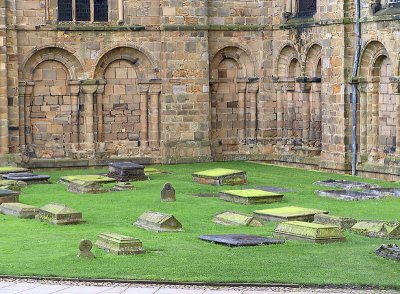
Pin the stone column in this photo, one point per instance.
(27, 112)
(241, 90)
(88, 89)
(99, 111)
(373, 115)
(21, 103)
(305, 88)
(74, 92)
(315, 107)
(395, 82)
(144, 116)
(154, 115)
(279, 108)
(363, 88)
(3, 79)
(252, 116)
(290, 110)
(120, 11)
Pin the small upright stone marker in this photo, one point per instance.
(220, 176)
(59, 214)
(288, 213)
(158, 222)
(126, 171)
(250, 196)
(341, 222)
(232, 218)
(84, 249)
(19, 210)
(8, 196)
(119, 244)
(168, 193)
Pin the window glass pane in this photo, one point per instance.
(307, 8)
(65, 10)
(82, 10)
(100, 10)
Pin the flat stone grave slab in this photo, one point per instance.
(19, 210)
(339, 221)
(233, 218)
(391, 251)
(59, 214)
(206, 195)
(349, 195)
(158, 222)
(287, 213)
(119, 244)
(344, 184)
(12, 185)
(272, 189)
(87, 178)
(240, 240)
(8, 196)
(394, 192)
(220, 176)
(377, 229)
(123, 186)
(12, 169)
(250, 196)
(126, 171)
(152, 171)
(85, 187)
(29, 178)
(305, 231)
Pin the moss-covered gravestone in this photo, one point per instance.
(19, 210)
(8, 196)
(85, 187)
(168, 193)
(377, 229)
(341, 222)
(305, 231)
(123, 186)
(250, 196)
(12, 169)
(87, 178)
(287, 213)
(220, 176)
(119, 244)
(59, 214)
(126, 171)
(29, 178)
(391, 251)
(240, 240)
(232, 218)
(12, 185)
(84, 249)
(158, 222)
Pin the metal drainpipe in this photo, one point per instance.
(354, 89)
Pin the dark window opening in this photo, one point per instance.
(307, 8)
(100, 10)
(65, 10)
(82, 10)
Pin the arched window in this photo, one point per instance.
(85, 10)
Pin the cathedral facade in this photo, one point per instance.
(83, 82)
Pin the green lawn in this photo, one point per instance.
(30, 247)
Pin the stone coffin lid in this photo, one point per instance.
(25, 177)
(236, 218)
(120, 239)
(346, 184)
(126, 165)
(58, 209)
(378, 228)
(6, 192)
(343, 222)
(156, 217)
(12, 169)
(19, 209)
(18, 206)
(87, 178)
(217, 172)
(158, 221)
(248, 193)
(289, 211)
(309, 230)
(240, 240)
(391, 251)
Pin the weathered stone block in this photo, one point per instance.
(85, 187)
(240, 240)
(344, 184)
(12, 169)
(349, 195)
(19, 210)
(341, 222)
(159, 222)
(29, 178)
(305, 231)
(232, 218)
(119, 244)
(288, 213)
(391, 251)
(8, 196)
(377, 229)
(168, 193)
(220, 176)
(59, 214)
(126, 171)
(87, 178)
(250, 196)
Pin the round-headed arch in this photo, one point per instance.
(143, 65)
(285, 59)
(239, 56)
(313, 60)
(61, 55)
(372, 55)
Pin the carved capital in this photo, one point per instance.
(252, 87)
(395, 83)
(74, 87)
(305, 84)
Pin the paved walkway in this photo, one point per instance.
(50, 287)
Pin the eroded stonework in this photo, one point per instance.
(183, 81)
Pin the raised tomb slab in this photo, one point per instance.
(232, 218)
(19, 210)
(339, 221)
(250, 196)
(126, 171)
(288, 213)
(158, 222)
(119, 244)
(87, 178)
(29, 178)
(8, 196)
(234, 240)
(220, 176)
(59, 214)
(377, 229)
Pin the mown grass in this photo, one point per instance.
(30, 247)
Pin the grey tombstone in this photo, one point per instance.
(8, 196)
(84, 249)
(126, 171)
(344, 184)
(19, 210)
(391, 251)
(59, 214)
(29, 178)
(349, 195)
(158, 222)
(168, 193)
(240, 240)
